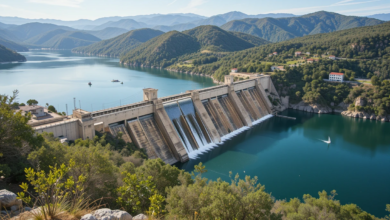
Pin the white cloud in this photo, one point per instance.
(67, 3)
(172, 2)
(367, 10)
(192, 5)
(4, 6)
(352, 2)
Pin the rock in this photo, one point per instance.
(108, 214)
(27, 209)
(360, 101)
(14, 208)
(140, 217)
(373, 117)
(7, 198)
(88, 217)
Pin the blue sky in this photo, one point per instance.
(92, 9)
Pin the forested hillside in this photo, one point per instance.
(12, 45)
(173, 46)
(62, 39)
(27, 31)
(156, 51)
(281, 29)
(7, 55)
(119, 45)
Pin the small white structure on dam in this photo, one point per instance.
(174, 127)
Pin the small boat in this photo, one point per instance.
(90, 83)
(114, 80)
(328, 141)
(121, 82)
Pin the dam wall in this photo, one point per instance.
(178, 127)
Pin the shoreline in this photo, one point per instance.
(317, 109)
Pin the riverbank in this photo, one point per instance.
(342, 109)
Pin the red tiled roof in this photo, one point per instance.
(234, 69)
(340, 74)
(332, 56)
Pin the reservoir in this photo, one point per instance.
(287, 156)
(56, 77)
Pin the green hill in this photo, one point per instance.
(7, 55)
(62, 39)
(280, 29)
(121, 44)
(166, 49)
(12, 45)
(108, 33)
(161, 49)
(213, 38)
(27, 31)
(257, 41)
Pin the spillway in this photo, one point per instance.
(120, 128)
(196, 125)
(215, 118)
(251, 114)
(156, 139)
(181, 126)
(231, 112)
(139, 137)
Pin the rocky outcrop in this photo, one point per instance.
(107, 214)
(364, 115)
(8, 199)
(315, 108)
(140, 217)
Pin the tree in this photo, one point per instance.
(298, 94)
(52, 108)
(375, 81)
(135, 193)
(32, 102)
(17, 138)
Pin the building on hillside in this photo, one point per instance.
(234, 70)
(298, 53)
(275, 53)
(35, 110)
(308, 53)
(245, 75)
(280, 68)
(332, 57)
(315, 55)
(336, 77)
(310, 60)
(270, 55)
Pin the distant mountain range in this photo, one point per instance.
(62, 39)
(17, 34)
(281, 29)
(383, 17)
(119, 45)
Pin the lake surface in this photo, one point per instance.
(290, 160)
(286, 155)
(56, 77)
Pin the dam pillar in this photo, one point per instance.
(263, 94)
(239, 106)
(169, 131)
(150, 94)
(205, 118)
(229, 79)
(86, 124)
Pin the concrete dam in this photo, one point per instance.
(177, 127)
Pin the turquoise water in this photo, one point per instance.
(290, 160)
(56, 77)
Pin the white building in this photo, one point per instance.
(234, 70)
(280, 68)
(332, 57)
(336, 77)
(35, 110)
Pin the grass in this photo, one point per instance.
(364, 81)
(184, 65)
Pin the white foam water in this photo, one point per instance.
(206, 148)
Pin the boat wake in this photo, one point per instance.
(195, 154)
(328, 141)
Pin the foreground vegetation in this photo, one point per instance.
(71, 179)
